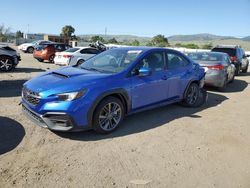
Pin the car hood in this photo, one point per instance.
(66, 79)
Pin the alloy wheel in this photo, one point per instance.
(110, 116)
(6, 64)
(192, 95)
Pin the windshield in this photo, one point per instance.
(205, 57)
(111, 61)
(72, 50)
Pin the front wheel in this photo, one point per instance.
(108, 115)
(30, 50)
(245, 70)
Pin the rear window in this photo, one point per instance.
(229, 51)
(205, 57)
(72, 49)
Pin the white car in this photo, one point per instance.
(29, 47)
(74, 56)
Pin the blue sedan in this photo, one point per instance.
(99, 93)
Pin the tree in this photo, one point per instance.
(4, 33)
(97, 38)
(207, 46)
(160, 40)
(19, 34)
(113, 41)
(67, 31)
(135, 43)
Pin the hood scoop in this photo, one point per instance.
(60, 75)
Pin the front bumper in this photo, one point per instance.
(56, 121)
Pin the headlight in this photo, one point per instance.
(71, 95)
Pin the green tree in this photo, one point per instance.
(135, 43)
(97, 38)
(19, 34)
(113, 41)
(4, 33)
(207, 46)
(67, 31)
(160, 40)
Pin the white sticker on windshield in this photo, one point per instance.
(134, 51)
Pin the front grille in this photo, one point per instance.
(31, 96)
(32, 114)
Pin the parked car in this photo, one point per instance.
(47, 51)
(218, 66)
(9, 58)
(118, 82)
(74, 56)
(29, 47)
(237, 56)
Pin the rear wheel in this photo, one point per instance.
(40, 60)
(237, 70)
(6, 63)
(30, 50)
(108, 115)
(245, 70)
(79, 62)
(51, 58)
(194, 96)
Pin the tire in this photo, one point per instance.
(51, 58)
(245, 70)
(237, 70)
(194, 96)
(6, 63)
(79, 62)
(30, 50)
(223, 87)
(108, 115)
(40, 60)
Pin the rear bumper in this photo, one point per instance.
(56, 121)
(214, 79)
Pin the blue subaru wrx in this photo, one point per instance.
(99, 93)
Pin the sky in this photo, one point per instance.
(132, 17)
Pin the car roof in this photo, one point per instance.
(145, 48)
(209, 53)
(227, 46)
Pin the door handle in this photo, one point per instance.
(164, 77)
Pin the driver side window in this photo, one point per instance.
(154, 61)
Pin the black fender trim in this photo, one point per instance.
(122, 94)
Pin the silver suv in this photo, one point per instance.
(9, 58)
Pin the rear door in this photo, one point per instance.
(179, 72)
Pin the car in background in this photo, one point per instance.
(99, 93)
(9, 58)
(47, 51)
(75, 56)
(237, 56)
(219, 69)
(29, 47)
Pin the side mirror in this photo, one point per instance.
(144, 72)
(247, 55)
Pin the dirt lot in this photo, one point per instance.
(171, 146)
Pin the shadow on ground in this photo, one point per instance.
(27, 70)
(11, 88)
(148, 120)
(236, 86)
(11, 134)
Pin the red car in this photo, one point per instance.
(47, 51)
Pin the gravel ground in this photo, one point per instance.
(170, 146)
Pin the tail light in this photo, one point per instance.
(67, 56)
(216, 67)
(233, 58)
